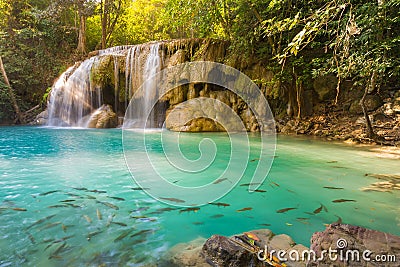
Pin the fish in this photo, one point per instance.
(276, 184)
(220, 204)
(123, 235)
(289, 224)
(302, 219)
(62, 239)
(260, 191)
(265, 224)
(244, 209)
(324, 208)
(120, 224)
(90, 197)
(254, 159)
(198, 223)
(87, 218)
(156, 212)
(334, 188)
(118, 198)
(339, 220)
(49, 192)
(58, 206)
(98, 213)
(318, 210)
(92, 234)
(108, 204)
(48, 240)
(74, 205)
(250, 184)
(57, 251)
(67, 200)
(139, 209)
(31, 238)
(189, 209)
(148, 219)
(41, 221)
(73, 195)
(285, 210)
(50, 225)
(80, 188)
(97, 191)
(333, 161)
(139, 188)
(110, 219)
(217, 216)
(221, 180)
(140, 232)
(19, 209)
(176, 200)
(139, 217)
(343, 200)
(166, 209)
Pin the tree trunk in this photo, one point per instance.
(104, 23)
(371, 87)
(82, 35)
(18, 113)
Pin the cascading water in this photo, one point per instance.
(74, 97)
(137, 77)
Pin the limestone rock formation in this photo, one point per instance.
(104, 117)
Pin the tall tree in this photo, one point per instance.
(111, 10)
(20, 117)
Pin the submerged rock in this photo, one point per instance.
(186, 254)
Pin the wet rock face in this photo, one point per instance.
(102, 118)
(357, 239)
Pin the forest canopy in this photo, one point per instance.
(351, 39)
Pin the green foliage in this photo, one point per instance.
(297, 40)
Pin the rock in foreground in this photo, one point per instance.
(352, 243)
(104, 117)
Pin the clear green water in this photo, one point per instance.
(35, 161)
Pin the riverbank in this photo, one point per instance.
(343, 126)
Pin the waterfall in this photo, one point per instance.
(138, 74)
(74, 97)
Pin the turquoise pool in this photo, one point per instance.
(68, 199)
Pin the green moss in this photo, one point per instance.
(102, 71)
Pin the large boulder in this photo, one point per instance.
(353, 242)
(220, 251)
(372, 102)
(325, 86)
(103, 117)
(42, 118)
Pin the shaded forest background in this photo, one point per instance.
(356, 41)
